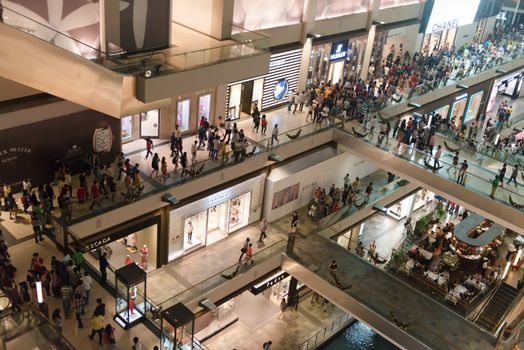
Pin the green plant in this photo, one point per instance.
(397, 260)
(422, 225)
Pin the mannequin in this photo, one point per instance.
(128, 260)
(144, 253)
(189, 231)
(132, 301)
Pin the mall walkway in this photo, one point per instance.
(431, 323)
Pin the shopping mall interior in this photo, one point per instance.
(298, 174)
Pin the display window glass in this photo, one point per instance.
(473, 106)
(260, 14)
(213, 224)
(133, 309)
(457, 113)
(443, 111)
(394, 3)
(336, 8)
(150, 123)
(138, 247)
(183, 111)
(239, 211)
(127, 127)
(235, 91)
(204, 106)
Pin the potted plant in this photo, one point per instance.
(396, 261)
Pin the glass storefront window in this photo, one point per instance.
(150, 124)
(336, 8)
(443, 111)
(239, 211)
(127, 127)
(394, 3)
(260, 14)
(204, 106)
(183, 110)
(473, 106)
(457, 113)
(195, 231)
(322, 69)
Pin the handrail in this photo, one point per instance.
(327, 332)
(509, 310)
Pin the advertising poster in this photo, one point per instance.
(285, 196)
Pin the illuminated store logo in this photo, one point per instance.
(219, 197)
(281, 89)
(277, 63)
(339, 51)
(439, 27)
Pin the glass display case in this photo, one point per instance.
(177, 326)
(130, 287)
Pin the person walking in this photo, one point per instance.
(79, 306)
(462, 173)
(454, 164)
(97, 327)
(256, 119)
(243, 250)
(283, 308)
(274, 134)
(136, 344)
(58, 322)
(87, 281)
(66, 292)
(502, 174)
(249, 254)
(109, 336)
(262, 227)
(154, 165)
(100, 308)
(514, 174)
(95, 195)
(332, 268)
(263, 123)
(369, 190)
(149, 147)
(436, 158)
(163, 169)
(494, 185)
(267, 345)
(103, 264)
(294, 221)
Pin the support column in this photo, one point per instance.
(292, 293)
(308, 25)
(373, 10)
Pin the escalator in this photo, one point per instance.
(497, 307)
(412, 165)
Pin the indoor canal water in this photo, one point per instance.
(358, 336)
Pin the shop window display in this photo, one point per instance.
(150, 123)
(473, 106)
(130, 286)
(204, 106)
(127, 128)
(138, 247)
(260, 14)
(214, 224)
(183, 109)
(457, 114)
(177, 325)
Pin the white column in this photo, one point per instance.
(304, 64)
(373, 10)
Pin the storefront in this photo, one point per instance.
(441, 22)
(136, 242)
(262, 299)
(212, 218)
(332, 61)
(292, 186)
(405, 207)
(267, 91)
(508, 86)
(141, 125)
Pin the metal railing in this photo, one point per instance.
(327, 332)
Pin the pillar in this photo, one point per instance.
(373, 10)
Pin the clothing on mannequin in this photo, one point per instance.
(189, 231)
(128, 260)
(144, 253)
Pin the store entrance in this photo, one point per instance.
(336, 71)
(213, 224)
(457, 113)
(246, 97)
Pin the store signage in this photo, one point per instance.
(277, 63)
(447, 14)
(11, 154)
(339, 50)
(396, 33)
(265, 284)
(281, 89)
(219, 197)
(97, 244)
